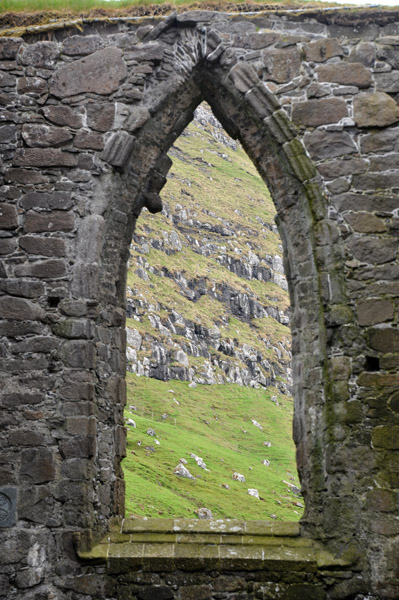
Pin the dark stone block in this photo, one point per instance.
(37, 465)
(19, 287)
(346, 74)
(42, 136)
(20, 310)
(157, 593)
(16, 399)
(8, 216)
(24, 176)
(46, 269)
(43, 246)
(100, 117)
(80, 45)
(384, 340)
(41, 54)
(8, 134)
(44, 157)
(9, 48)
(32, 85)
(319, 112)
(63, 115)
(78, 447)
(8, 245)
(329, 144)
(48, 222)
(89, 140)
(54, 200)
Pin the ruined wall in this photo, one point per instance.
(86, 123)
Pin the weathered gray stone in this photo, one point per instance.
(329, 144)
(100, 73)
(41, 136)
(49, 221)
(41, 54)
(46, 269)
(373, 250)
(346, 74)
(118, 149)
(43, 246)
(319, 112)
(76, 45)
(37, 465)
(339, 168)
(44, 157)
(373, 311)
(89, 140)
(8, 134)
(101, 116)
(375, 110)
(54, 200)
(8, 216)
(281, 65)
(323, 49)
(384, 339)
(387, 82)
(7, 80)
(9, 47)
(364, 52)
(63, 115)
(365, 222)
(32, 85)
(261, 100)
(244, 77)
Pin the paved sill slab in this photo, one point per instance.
(192, 544)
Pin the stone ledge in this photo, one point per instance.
(167, 544)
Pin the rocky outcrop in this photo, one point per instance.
(168, 343)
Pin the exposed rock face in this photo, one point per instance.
(208, 350)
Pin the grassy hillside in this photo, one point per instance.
(213, 422)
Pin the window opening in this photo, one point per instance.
(209, 406)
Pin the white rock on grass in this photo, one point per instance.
(253, 492)
(266, 462)
(199, 461)
(257, 424)
(181, 471)
(268, 444)
(238, 476)
(192, 384)
(183, 461)
(204, 513)
(131, 423)
(150, 431)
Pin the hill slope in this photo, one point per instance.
(207, 304)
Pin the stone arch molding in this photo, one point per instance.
(88, 121)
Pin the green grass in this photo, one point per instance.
(213, 422)
(79, 6)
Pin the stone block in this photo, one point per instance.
(45, 269)
(44, 157)
(375, 110)
(384, 339)
(16, 399)
(298, 160)
(24, 176)
(81, 45)
(89, 140)
(363, 52)
(53, 200)
(9, 47)
(21, 287)
(78, 354)
(382, 500)
(40, 54)
(280, 127)
(37, 465)
(118, 149)
(74, 329)
(48, 222)
(373, 311)
(100, 117)
(365, 222)
(31, 85)
(374, 201)
(43, 246)
(41, 136)
(386, 437)
(8, 216)
(63, 115)
(373, 250)
(8, 134)
(376, 181)
(315, 112)
(340, 367)
(352, 74)
(263, 102)
(387, 82)
(8, 245)
(244, 77)
(136, 118)
(100, 73)
(281, 64)
(19, 309)
(157, 593)
(78, 446)
(7, 80)
(323, 49)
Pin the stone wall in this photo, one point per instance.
(87, 119)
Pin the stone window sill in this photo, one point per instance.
(224, 544)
